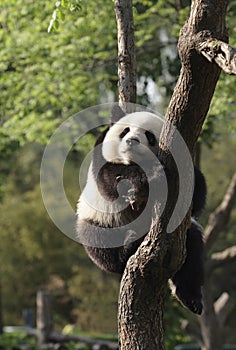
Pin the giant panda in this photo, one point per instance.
(113, 215)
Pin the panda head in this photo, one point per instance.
(133, 138)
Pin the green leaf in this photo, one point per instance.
(58, 4)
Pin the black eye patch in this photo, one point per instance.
(151, 138)
(124, 132)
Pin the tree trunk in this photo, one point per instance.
(210, 327)
(162, 253)
(126, 54)
(136, 330)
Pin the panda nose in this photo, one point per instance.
(133, 141)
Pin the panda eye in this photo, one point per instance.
(151, 138)
(124, 132)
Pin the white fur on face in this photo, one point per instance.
(116, 149)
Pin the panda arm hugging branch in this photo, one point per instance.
(114, 212)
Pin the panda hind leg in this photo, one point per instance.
(187, 282)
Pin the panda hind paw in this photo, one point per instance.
(195, 306)
(193, 303)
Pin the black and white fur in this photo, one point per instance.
(116, 195)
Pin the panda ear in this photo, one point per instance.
(116, 114)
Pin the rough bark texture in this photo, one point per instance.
(126, 53)
(210, 331)
(161, 254)
(221, 53)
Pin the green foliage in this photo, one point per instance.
(218, 163)
(157, 41)
(97, 295)
(32, 249)
(61, 8)
(35, 254)
(173, 317)
(10, 341)
(19, 340)
(46, 78)
(76, 346)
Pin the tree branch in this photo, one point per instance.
(193, 329)
(221, 53)
(223, 306)
(220, 258)
(126, 53)
(219, 218)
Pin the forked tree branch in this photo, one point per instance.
(193, 329)
(221, 53)
(223, 306)
(219, 218)
(220, 258)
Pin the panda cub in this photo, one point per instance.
(114, 212)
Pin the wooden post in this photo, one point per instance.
(44, 316)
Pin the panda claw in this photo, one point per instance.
(194, 305)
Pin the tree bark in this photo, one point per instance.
(137, 331)
(126, 54)
(221, 53)
(162, 253)
(209, 323)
